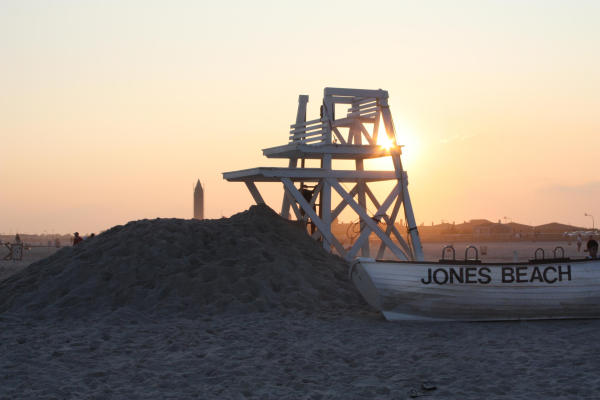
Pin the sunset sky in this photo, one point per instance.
(110, 110)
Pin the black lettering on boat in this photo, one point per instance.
(436, 274)
(507, 273)
(561, 273)
(548, 280)
(484, 275)
(536, 275)
(471, 275)
(459, 276)
(428, 277)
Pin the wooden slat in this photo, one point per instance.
(306, 134)
(367, 100)
(370, 115)
(365, 93)
(310, 138)
(314, 121)
(363, 107)
(314, 140)
(303, 129)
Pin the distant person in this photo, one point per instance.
(92, 235)
(17, 239)
(77, 239)
(592, 248)
(579, 242)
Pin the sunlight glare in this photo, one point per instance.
(384, 141)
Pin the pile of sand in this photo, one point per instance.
(253, 261)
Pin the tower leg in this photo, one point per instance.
(285, 206)
(403, 181)
(362, 197)
(300, 118)
(326, 204)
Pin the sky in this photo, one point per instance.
(111, 110)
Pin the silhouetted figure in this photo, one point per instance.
(592, 248)
(92, 235)
(77, 239)
(17, 239)
(579, 242)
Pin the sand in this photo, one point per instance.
(250, 308)
(253, 261)
(30, 255)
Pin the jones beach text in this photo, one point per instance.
(483, 275)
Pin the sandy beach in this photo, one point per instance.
(271, 356)
(216, 310)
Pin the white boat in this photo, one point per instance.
(470, 290)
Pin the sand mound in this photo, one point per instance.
(253, 261)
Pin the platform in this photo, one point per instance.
(337, 151)
(275, 174)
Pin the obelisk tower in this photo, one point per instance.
(198, 201)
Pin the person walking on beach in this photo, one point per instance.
(592, 248)
(77, 239)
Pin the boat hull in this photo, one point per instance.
(480, 292)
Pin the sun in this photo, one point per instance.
(384, 141)
(406, 139)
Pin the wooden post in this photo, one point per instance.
(402, 179)
(362, 198)
(300, 118)
(326, 164)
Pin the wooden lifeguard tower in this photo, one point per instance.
(329, 138)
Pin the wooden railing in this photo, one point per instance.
(309, 132)
(366, 108)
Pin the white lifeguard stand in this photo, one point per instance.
(329, 138)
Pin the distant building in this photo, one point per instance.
(198, 201)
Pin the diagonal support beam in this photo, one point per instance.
(338, 210)
(254, 192)
(371, 225)
(339, 135)
(390, 223)
(366, 232)
(315, 196)
(292, 203)
(289, 185)
(366, 134)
